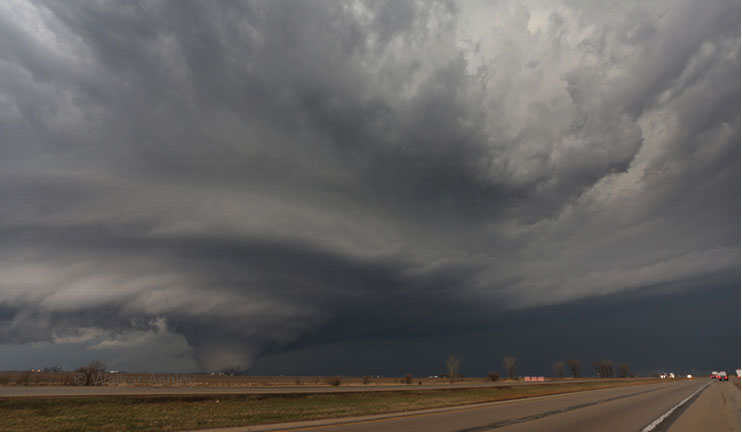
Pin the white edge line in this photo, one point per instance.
(664, 416)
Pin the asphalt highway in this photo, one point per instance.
(645, 408)
(716, 409)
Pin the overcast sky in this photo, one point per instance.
(328, 187)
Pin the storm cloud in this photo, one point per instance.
(243, 179)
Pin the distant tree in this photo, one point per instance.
(453, 365)
(574, 366)
(597, 368)
(366, 379)
(407, 379)
(92, 374)
(623, 370)
(493, 376)
(558, 369)
(603, 368)
(510, 363)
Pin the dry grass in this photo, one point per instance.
(205, 380)
(119, 413)
(27, 378)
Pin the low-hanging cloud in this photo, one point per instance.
(263, 175)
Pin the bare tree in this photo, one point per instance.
(510, 363)
(608, 368)
(453, 364)
(91, 375)
(603, 368)
(574, 366)
(623, 370)
(597, 368)
(558, 369)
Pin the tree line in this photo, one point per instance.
(603, 368)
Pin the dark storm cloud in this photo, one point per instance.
(649, 331)
(249, 294)
(259, 176)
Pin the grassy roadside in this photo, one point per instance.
(122, 413)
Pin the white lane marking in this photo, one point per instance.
(655, 423)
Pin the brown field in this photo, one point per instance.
(26, 378)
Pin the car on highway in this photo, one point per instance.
(723, 376)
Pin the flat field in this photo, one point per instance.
(26, 378)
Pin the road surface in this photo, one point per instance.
(716, 409)
(675, 406)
